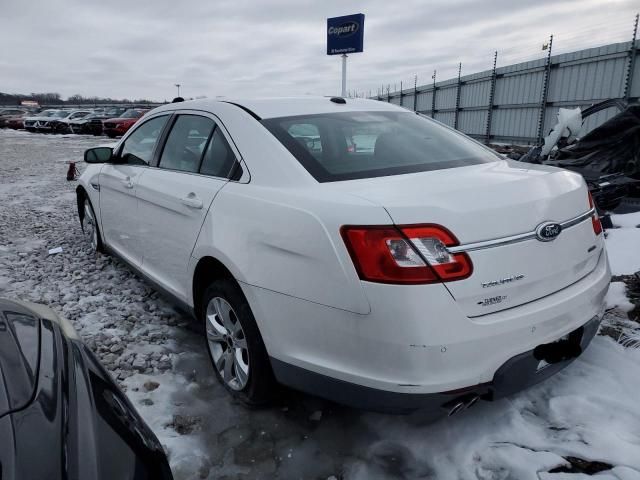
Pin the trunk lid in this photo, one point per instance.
(493, 201)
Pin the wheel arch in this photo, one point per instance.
(208, 269)
(81, 195)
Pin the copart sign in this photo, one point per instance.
(345, 34)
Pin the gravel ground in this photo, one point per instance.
(587, 413)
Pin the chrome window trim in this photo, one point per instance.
(521, 237)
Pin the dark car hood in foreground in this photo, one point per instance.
(76, 424)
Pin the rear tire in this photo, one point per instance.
(234, 344)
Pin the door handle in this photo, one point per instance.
(191, 201)
(127, 183)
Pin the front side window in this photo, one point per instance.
(138, 147)
(186, 143)
(352, 145)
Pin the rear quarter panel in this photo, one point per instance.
(288, 241)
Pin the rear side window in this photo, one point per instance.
(219, 159)
(186, 143)
(352, 145)
(138, 147)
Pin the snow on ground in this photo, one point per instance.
(588, 413)
(625, 243)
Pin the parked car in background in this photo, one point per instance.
(93, 125)
(32, 123)
(415, 267)
(7, 113)
(80, 125)
(116, 127)
(16, 122)
(60, 124)
(61, 414)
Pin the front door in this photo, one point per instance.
(118, 184)
(174, 198)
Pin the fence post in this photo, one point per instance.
(433, 96)
(455, 118)
(401, 94)
(415, 93)
(492, 92)
(545, 91)
(631, 64)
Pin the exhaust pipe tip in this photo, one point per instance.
(472, 402)
(462, 404)
(458, 407)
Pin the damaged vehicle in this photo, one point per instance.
(33, 123)
(62, 123)
(61, 414)
(608, 157)
(419, 271)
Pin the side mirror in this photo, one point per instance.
(98, 155)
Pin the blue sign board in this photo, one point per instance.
(345, 34)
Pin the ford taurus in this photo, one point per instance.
(352, 249)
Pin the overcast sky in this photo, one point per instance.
(141, 48)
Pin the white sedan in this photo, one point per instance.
(352, 249)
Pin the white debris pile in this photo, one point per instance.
(569, 126)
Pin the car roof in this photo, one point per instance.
(288, 106)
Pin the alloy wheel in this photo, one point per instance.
(89, 225)
(227, 343)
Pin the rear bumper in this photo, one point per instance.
(516, 374)
(416, 340)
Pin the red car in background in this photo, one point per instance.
(7, 114)
(14, 121)
(115, 127)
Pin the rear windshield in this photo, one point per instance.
(351, 145)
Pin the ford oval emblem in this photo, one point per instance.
(548, 231)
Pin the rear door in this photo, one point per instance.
(118, 184)
(174, 197)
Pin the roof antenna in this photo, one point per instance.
(177, 99)
(339, 100)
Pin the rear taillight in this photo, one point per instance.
(595, 219)
(411, 254)
(432, 242)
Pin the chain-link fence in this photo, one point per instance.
(518, 103)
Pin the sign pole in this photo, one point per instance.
(344, 75)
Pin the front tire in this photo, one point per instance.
(236, 350)
(90, 227)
